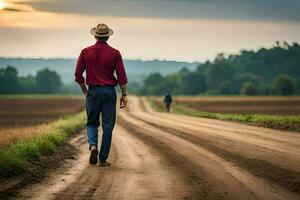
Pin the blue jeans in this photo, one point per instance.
(101, 99)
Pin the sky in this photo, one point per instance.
(183, 30)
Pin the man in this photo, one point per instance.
(101, 61)
(168, 101)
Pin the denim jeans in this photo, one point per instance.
(101, 99)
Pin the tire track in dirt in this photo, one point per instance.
(292, 177)
(285, 155)
(222, 178)
(138, 172)
(235, 128)
(194, 178)
(254, 159)
(290, 180)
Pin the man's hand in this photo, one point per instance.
(123, 101)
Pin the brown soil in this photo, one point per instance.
(168, 156)
(244, 105)
(27, 112)
(241, 105)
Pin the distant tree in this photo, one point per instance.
(153, 85)
(267, 89)
(48, 81)
(219, 73)
(229, 75)
(134, 87)
(70, 88)
(1, 81)
(9, 80)
(250, 89)
(27, 84)
(192, 83)
(227, 88)
(286, 45)
(172, 84)
(285, 85)
(182, 74)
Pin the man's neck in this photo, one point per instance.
(100, 41)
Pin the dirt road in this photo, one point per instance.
(168, 156)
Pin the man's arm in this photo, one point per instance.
(123, 89)
(122, 79)
(80, 68)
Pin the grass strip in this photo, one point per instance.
(279, 120)
(15, 157)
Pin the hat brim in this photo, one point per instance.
(93, 32)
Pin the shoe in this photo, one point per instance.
(104, 163)
(93, 155)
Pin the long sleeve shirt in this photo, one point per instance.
(101, 62)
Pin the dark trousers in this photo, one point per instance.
(101, 99)
(168, 105)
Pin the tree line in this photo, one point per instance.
(274, 71)
(45, 81)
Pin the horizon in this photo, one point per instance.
(70, 58)
(188, 31)
(156, 59)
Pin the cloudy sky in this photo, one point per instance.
(188, 30)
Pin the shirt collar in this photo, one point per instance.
(101, 42)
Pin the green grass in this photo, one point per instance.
(279, 120)
(15, 157)
(284, 119)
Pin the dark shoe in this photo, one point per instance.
(104, 163)
(94, 155)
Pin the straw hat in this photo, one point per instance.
(102, 30)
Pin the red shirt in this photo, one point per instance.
(100, 61)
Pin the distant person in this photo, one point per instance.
(100, 61)
(168, 101)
